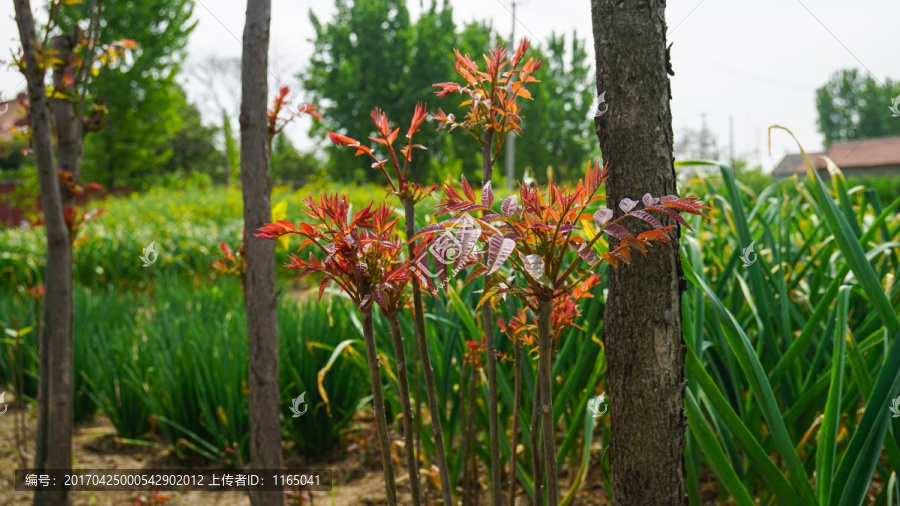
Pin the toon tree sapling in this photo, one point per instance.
(544, 244)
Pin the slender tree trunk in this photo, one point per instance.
(261, 301)
(536, 464)
(517, 395)
(69, 126)
(387, 464)
(473, 487)
(487, 171)
(403, 380)
(464, 432)
(642, 324)
(434, 408)
(545, 366)
(55, 402)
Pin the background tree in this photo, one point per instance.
(358, 64)
(142, 99)
(194, 148)
(642, 324)
(855, 106)
(289, 165)
(260, 299)
(55, 389)
(556, 123)
(344, 81)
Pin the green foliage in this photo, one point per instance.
(172, 361)
(193, 148)
(855, 106)
(142, 96)
(558, 128)
(11, 157)
(784, 353)
(185, 219)
(372, 55)
(232, 153)
(360, 61)
(290, 166)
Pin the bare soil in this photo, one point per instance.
(358, 481)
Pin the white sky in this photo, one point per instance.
(758, 62)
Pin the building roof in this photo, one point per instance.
(11, 111)
(847, 155)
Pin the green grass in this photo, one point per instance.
(792, 360)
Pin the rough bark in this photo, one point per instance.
(403, 380)
(642, 324)
(434, 408)
(259, 277)
(545, 365)
(55, 401)
(387, 463)
(487, 171)
(69, 126)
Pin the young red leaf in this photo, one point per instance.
(467, 190)
(602, 216)
(649, 218)
(648, 200)
(622, 234)
(487, 195)
(510, 205)
(534, 265)
(499, 249)
(627, 204)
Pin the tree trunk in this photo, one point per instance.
(545, 366)
(642, 324)
(403, 380)
(387, 464)
(517, 397)
(259, 278)
(69, 126)
(55, 402)
(487, 170)
(434, 408)
(536, 464)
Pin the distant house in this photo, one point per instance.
(870, 157)
(11, 114)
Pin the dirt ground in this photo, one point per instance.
(96, 447)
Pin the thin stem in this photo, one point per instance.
(488, 320)
(517, 353)
(472, 484)
(387, 464)
(464, 433)
(409, 207)
(545, 349)
(535, 443)
(403, 380)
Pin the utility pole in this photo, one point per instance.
(511, 137)
(731, 141)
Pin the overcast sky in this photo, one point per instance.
(757, 62)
